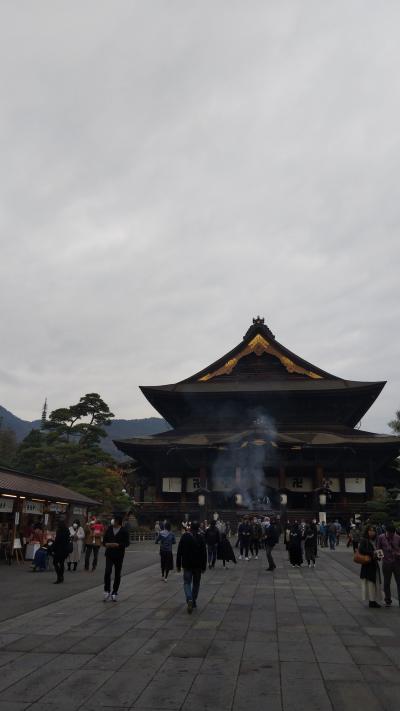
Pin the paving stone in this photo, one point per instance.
(348, 695)
(77, 688)
(293, 651)
(7, 657)
(7, 638)
(21, 667)
(335, 672)
(25, 644)
(162, 692)
(210, 693)
(13, 705)
(33, 687)
(378, 673)
(379, 631)
(306, 695)
(299, 670)
(387, 694)
(393, 653)
(367, 655)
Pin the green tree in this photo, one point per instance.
(68, 450)
(8, 446)
(395, 424)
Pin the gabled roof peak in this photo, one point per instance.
(258, 326)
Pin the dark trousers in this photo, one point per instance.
(254, 546)
(89, 549)
(244, 545)
(191, 583)
(59, 568)
(268, 550)
(117, 564)
(389, 569)
(212, 554)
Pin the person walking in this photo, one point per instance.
(94, 531)
(77, 537)
(355, 536)
(192, 557)
(115, 540)
(244, 534)
(270, 540)
(62, 547)
(389, 543)
(332, 536)
(370, 573)
(166, 539)
(295, 552)
(255, 537)
(309, 546)
(213, 538)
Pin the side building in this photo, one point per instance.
(264, 429)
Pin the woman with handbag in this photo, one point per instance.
(370, 573)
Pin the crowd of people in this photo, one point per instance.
(204, 544)
(76, 542)
(376, 550)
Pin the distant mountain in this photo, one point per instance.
(20, 427)
(124, 429)
(119, 429)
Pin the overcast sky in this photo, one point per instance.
(170, 169)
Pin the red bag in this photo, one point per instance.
(360, 558)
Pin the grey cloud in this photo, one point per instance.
(170, 169)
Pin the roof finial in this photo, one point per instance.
(259, 326)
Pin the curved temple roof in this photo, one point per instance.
(262, 373)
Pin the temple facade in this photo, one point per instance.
(261, 429)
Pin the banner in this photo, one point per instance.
(33, 507)
(6, 505)
(172, 485)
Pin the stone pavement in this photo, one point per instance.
(22, 590)
(294, 640)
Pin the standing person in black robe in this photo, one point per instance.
(61, 549)
(309, 546)
(295, 552)
(225, 551)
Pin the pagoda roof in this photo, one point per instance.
(274, 361)
(262, 373)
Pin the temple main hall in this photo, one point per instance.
(257, 429)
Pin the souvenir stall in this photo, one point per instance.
(30, 510)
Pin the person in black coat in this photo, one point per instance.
(295, 552)
(192, 557)
(61, 549)
(225, 551)
(370, 572)
(115, 540)
(212, 541)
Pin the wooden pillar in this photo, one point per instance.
(238, 476)
(318, 477)
(203, 477)
(282, 477)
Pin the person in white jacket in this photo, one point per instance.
(77, 537)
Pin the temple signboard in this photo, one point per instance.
(355, 485)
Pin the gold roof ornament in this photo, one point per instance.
(259, 345)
